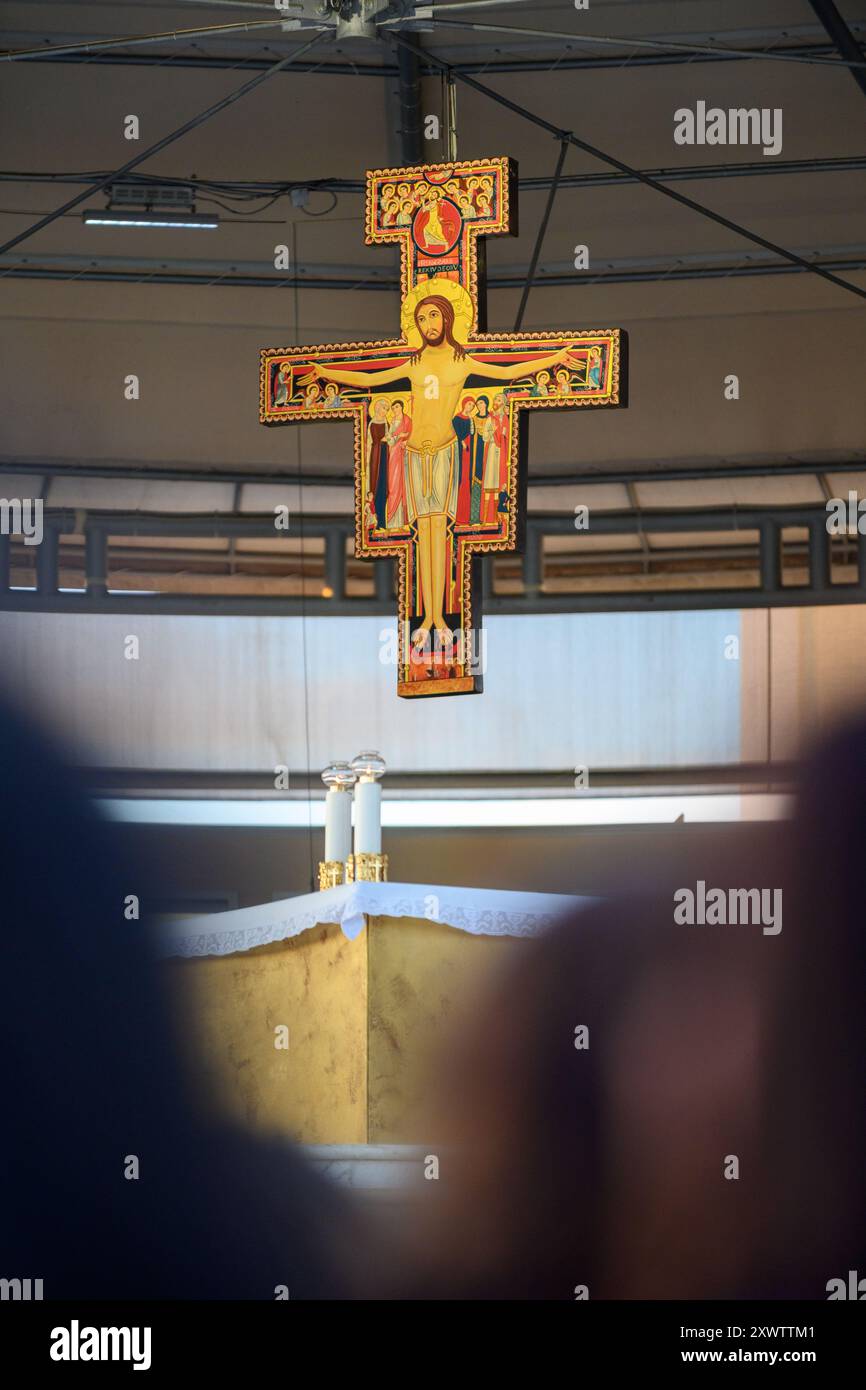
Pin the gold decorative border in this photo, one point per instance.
(472, 230)
(507, 169)
(448, 685)
(608, 397)
(458, 168)
(476, 340)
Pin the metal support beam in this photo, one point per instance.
(248, 55)
(335, 560)
(46, 561)
(771, 559)
(768, 523)
(710, 471)
(485, 577)
(74, 269)
(612, 523)
(159, 145)
(819, 555)
(679, 173)
(95, 561)
(409, 85)
(843, 39)
(533, 560)
(542, 231)
(700, 208)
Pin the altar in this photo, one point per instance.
(320, 1017)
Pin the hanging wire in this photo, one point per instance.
(324, 212)
(624, 168)
(254, 212)
(449, 112)
(296, 305)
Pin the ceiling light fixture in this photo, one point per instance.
(136, 203)
(130, 217)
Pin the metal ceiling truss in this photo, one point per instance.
(687, 173)
(570, 62)
(353, 18)
(235, 275)
(366, 18)
(183, 48)
(844, 40)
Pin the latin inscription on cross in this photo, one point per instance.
(440, 413)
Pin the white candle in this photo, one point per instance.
(338, 777)
(338, 825)
(368, 816)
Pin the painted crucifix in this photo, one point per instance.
(440, 412)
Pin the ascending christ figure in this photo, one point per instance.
(437, 373)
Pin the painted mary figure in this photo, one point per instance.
(399, 430)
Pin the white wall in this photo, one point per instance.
(601, 690)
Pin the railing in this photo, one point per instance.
(767, 522)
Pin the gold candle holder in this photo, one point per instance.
(331, 873)
(367, 868)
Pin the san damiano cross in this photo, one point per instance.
(440, 413)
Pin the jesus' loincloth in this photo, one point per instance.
(431, 480)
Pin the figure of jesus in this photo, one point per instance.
(437, 373)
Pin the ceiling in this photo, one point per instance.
(284, 164)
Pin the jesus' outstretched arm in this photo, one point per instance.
(360, 378)
(520, 369)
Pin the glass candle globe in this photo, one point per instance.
(338, 776)
(368, 766)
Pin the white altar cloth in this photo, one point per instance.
(481, 911)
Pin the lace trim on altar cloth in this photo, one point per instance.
(479, 911)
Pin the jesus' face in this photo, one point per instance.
(430, 325)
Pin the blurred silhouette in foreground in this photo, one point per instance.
(91, 1075)
(563, 1168)
(606, 1170)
